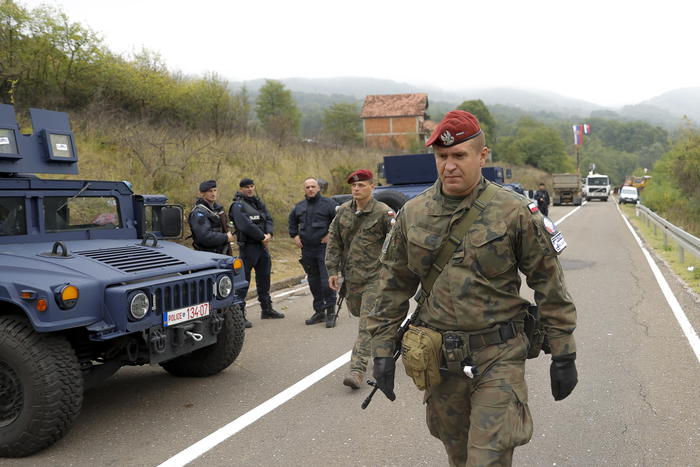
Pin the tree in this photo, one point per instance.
(481, 112)
(277, 111)
(534, 144)
(341, 123)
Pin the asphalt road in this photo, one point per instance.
(636, 403)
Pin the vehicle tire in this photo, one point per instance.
(605, 199)
(392, 198)
(588, 199)
(41, 388)
(577, 203)
(216, 357)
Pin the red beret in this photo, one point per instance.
(457, 127)
(360, 175)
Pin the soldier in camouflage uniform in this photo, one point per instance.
(479, 419)
(354, 245)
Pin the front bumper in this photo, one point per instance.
(165, 343)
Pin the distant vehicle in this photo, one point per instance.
(629, 194)
(411, 174)
(89, 284)
(567, 189)
(597, 186)
(640, 182)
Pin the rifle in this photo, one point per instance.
(397, 352)
(341, 297)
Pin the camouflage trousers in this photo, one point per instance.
(481, 420)
(360, 299)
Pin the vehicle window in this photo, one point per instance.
(629, 190)
(80, 213)
(12, 218)
(597, 181)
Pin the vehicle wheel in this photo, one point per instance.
(588, 199)
(41, 388)
(605, 199)
(577, 203)
(392, 198)
(216, 357)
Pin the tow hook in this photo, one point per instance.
(195, 336)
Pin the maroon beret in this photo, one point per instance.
(360, 175)
(457, 127)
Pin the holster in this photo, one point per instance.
(421, 352)
(534, 331)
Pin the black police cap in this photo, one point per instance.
(206, 186)
(245, 182)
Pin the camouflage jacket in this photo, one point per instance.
(355, 240)
(479, 286)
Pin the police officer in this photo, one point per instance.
(542, 198)
(254, 228)
(309, 221)
(474, 300)
(354, 245)
(208, 221)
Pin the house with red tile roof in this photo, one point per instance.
(394, 121)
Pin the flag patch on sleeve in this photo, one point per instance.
(533, 207)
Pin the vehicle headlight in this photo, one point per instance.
(138, 306)
(66, 296)
(225, 286)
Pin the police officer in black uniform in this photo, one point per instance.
(208, 222)
(308, 226)
(542, 197)
(254, 231)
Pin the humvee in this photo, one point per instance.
(89, 283)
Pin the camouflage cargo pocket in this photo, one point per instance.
(501, 418)
(493, 249)
(422, 249)
(421, 352)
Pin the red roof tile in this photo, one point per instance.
(394, 105)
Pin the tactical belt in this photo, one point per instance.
(484, 338)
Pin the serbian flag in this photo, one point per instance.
(586, 129)
(578, 134)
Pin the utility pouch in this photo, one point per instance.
(421, 351)
(534, 330)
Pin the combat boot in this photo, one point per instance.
(317, 317)
(268, 312)
(353, 380)
(246, 323)
(330, 317)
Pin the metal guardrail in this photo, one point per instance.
(683, 239)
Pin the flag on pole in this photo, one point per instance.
(586, 129)
(578, 134)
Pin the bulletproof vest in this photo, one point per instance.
(255, 216)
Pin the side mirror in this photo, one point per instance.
(171, 221)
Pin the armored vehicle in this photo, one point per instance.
(88, 284)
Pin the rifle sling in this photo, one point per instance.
(454, 239)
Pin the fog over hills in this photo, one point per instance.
(665, 110)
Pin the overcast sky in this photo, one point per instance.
(610, 52)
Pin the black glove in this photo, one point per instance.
(384, 369)
(563, 375)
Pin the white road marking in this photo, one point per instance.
(288, 292)
(676, 308)
(570, 213)
(189, 454)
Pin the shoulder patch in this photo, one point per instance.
(558, 242)
(549, 226)
(533, 207)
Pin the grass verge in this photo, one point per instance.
(688, 271)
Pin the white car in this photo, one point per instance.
(629, 194)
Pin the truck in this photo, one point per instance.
(566, 189)
(410, 174)
(596, 186)
(91, 281)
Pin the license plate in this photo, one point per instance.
(185, 314)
